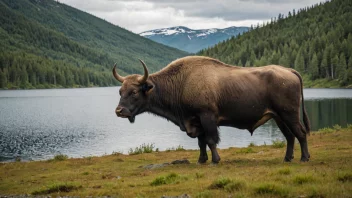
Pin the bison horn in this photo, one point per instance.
(145, 77)
(116, 75)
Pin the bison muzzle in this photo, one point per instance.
(199, 94)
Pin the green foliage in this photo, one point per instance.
(278, 143)
(46, 44)
(316, 40)
(235, 186)
(345, 177)
(265, 189)
(204, 194)
(246, 150)
(251, 144)
(178, 148)
(326, 130)
(59, 157)
(171, 178)
(302, 179)
(227, 184)
(220, 183)
(144, 148)
(285, 171)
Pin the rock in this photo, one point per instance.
(154, 166)
(183, 161)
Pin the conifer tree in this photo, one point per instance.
(313, 68)
(299, 62)
(341, 67)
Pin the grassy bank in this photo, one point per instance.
(255, 171)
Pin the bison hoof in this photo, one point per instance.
(304, 159)
(288, 159)
(201, 162)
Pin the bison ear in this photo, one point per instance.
(146, 87)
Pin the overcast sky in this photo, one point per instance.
(142, 15)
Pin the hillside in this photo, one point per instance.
(190, 40)
(48, 44)
(316, 41)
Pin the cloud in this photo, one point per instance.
(142, 15)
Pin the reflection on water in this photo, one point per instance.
(38, 124)
(329, 112)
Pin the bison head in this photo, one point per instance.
(134, 93)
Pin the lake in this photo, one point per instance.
(39, 124)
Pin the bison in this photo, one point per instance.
(199, 94)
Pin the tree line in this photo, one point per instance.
(316, 41)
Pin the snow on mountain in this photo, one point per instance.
(192, 40)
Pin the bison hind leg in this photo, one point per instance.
(293, 123)
(290, 138)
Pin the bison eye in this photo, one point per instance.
(135, 92)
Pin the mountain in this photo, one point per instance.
(316, 41)
(44, 43)
(190, 40)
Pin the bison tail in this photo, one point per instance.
(305, 117)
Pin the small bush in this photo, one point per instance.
(302, 179)
(271, 189)
(60, 157)
(349, 126)
(144, 148)
(251, 144)
(345, 177)
(199, 175)
(337, 127)
(278, 143)
(220, 183)
(234, 186)
(171, 178)
(55, 188)
(326, 130)
(179, 148)
(285, 171)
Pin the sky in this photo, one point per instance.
(143, 15)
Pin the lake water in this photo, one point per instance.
(39, 124)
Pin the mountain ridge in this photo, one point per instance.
(192, 40)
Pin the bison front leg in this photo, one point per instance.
(211, 134)
(203, 156)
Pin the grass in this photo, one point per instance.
(345, 177)
(302, 179)
(271, 189)
(144, 148)
(284, 171)
(168, 179)
(278, 143)
(178, 148)
(55, 188)
(256, 171)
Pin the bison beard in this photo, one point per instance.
(199, 94)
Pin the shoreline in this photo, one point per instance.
(253, 171)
